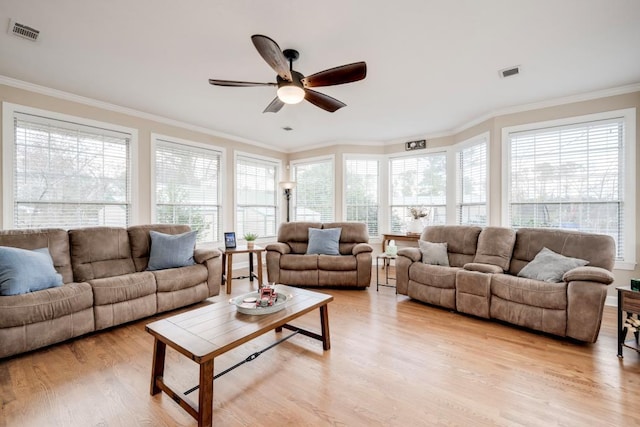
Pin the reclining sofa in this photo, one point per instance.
(482, 277)
(288, 262)
(105, 283)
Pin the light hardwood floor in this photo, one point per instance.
(393, 362)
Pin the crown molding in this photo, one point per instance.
(621, 90)
(67, 96)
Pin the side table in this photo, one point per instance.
(628, 305)
(386, 262)
(227, 264)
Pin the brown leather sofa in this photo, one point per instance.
(105, 284)
(482, 279)
(288, 263)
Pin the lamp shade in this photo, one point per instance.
(290, 94)
(287, 185)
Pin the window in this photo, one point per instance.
(361, 192)
(471, 174)
(64, 171)
(314, 192)
(187, 186)
(574, 176)
(418, 182)
(256, 196)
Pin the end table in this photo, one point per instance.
(227, 264)
(628, 306)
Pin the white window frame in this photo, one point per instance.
(371, 157)
(389, 190)
(8, 150)
(311, 160)
(277, 178)
(629, 137)
(221, 190)
(453, 196)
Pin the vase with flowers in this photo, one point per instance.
(418, 216)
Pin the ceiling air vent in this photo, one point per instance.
(511, 71)
(23, 31)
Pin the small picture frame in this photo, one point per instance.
(230, 240)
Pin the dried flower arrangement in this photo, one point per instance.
(417, 213)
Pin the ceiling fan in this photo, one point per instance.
(293, 87)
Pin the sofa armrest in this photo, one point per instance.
(588, 274)
(201, 255)
(483, 268)
(361, 248)
(283, 248)
(413, 254)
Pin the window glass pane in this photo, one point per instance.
(188, 187)
(361, 192)
(418, 182)
(313, 195)
(569, 177)
(471, 206)
(69, 175)
(256, 192)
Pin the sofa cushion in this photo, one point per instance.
(140, 240)
(337, 262)
(324, 242)
(23, 270)
(299, 262)
(461, 241)
(98, 252)
(433, 275)
(175, 279)
(495, 246)
(171, 250)
(57, 240)
(434, 253)
(352, 234)
(111, 290)
(529, 292)
(549, 266)
(45, 305)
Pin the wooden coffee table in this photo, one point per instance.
(207, 332)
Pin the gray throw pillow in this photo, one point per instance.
(324, 241)
(434, 253)
(23, 271)
(549, 266)
(171, 250)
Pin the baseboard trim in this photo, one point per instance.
(611, 300)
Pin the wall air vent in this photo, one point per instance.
(23, 31)
(511, 71)
(287, 128)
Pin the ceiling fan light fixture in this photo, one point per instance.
(290, 94)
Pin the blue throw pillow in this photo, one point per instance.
(324, 242)
(23, 271)
(171, 250)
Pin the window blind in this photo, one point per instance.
(256, 192)
(187, 187)
(471, 194)
(361, 192)
(69, 174)
(314, 192)
(418, 182)
(569, 177)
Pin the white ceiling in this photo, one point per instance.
(432, 64)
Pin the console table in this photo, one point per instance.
(628, 306)
(409, 237)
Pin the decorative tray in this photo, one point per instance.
(246, 303)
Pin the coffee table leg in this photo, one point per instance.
(157, 369)
(205, 398)
(229, 272)
(324, 324)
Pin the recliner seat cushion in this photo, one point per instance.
(337, 262)
(299, 262)
(433, 275)
(111, 290)
(530, 292)
(175, 279)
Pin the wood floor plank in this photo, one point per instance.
(393, 362)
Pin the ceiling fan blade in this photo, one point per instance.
(272, 54)
(338, 75)
(274, 106)
(323, 101)
(233, 83)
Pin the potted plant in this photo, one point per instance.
(417, 214)
(250, 238)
